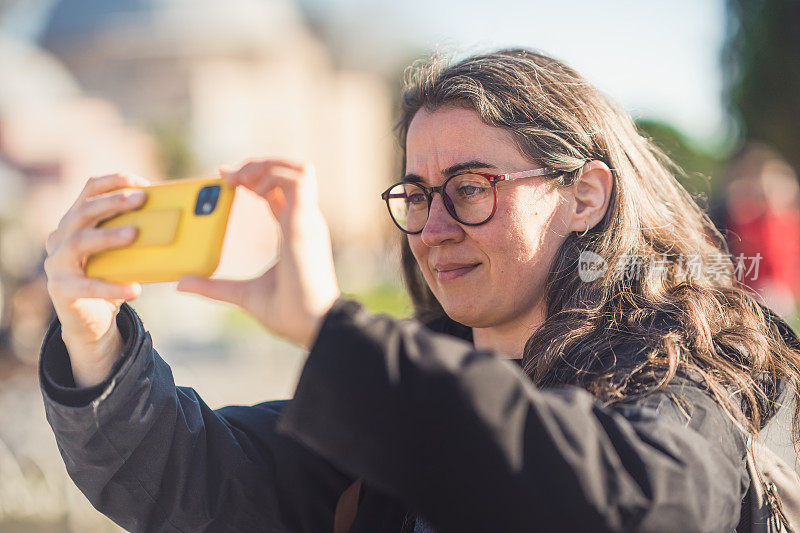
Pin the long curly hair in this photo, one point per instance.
(669, 301)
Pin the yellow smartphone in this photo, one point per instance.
(181, 227)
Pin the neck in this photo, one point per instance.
(509, 338)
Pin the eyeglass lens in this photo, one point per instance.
(471, 201)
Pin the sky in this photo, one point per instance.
(659, 59)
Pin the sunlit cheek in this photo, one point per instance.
(535, 228)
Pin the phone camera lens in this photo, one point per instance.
(207, 200)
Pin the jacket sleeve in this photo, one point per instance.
(468, 441)
(155, 457)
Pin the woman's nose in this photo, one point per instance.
(440, 227)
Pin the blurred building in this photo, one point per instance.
(52, 138)
(244, 78)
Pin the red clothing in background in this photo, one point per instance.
(776, 236)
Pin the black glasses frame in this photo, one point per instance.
(493, 179)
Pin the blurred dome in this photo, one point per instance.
(30, 74)
(171, 26)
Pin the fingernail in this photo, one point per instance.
(133, 289)
(138, 179)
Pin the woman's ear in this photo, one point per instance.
(591, 194)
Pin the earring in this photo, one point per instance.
(585, 232)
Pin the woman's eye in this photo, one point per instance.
(415, 199)
(470, 191)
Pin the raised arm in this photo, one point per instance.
(154, 457)
(466, 439)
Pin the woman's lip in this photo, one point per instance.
(448, 275)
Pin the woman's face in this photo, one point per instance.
(493, 274)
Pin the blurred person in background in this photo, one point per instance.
(532, 396)
(762, 219)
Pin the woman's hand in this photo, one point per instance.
(86, 307)
(292, 297)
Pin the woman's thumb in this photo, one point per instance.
(224, 290)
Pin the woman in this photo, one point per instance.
(639, 378)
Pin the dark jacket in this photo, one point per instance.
(430, 423)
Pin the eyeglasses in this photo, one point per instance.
(470, 197)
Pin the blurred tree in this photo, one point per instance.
(699, 165)
(762, 72)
